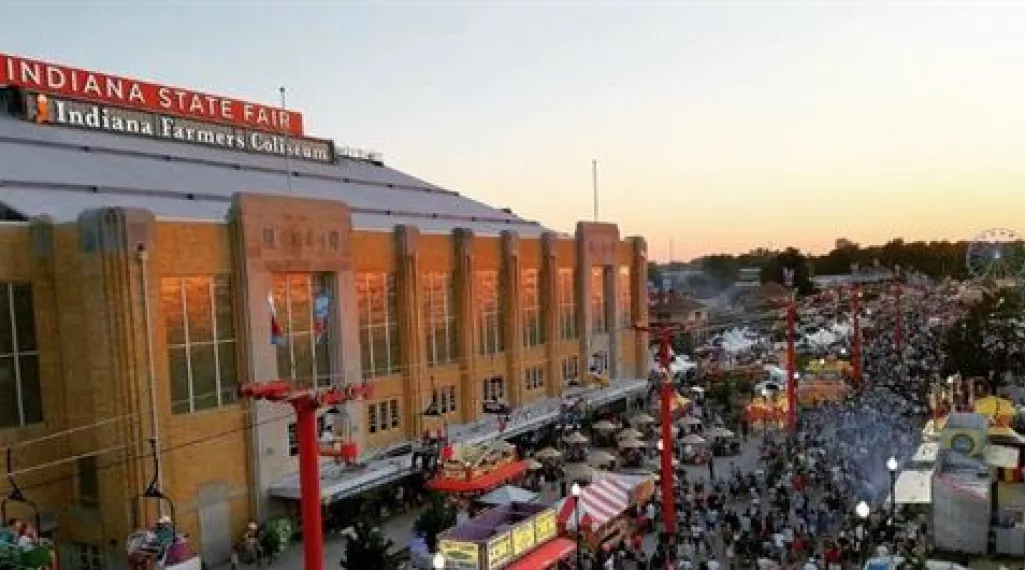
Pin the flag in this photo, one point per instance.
(277, 335)
(321, 312)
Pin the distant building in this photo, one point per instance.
(678, 309)
(844, 243)
(749, 278)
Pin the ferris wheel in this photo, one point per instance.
(996, 254)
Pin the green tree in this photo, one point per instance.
(792, 258)
(369, 549)
(987, 341)
(439, 516)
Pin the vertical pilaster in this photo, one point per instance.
(465, 267)
(109, 241)
(411, 328)
(639, 302)
(549, 283)
(610, 276)
(583, 287)
(512, 277)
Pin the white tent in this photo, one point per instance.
(914, 487)
(508, 494)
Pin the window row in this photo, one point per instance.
(293, 434)
(383, 416)
(534, 377)
(444, 399)
(494, 389)
(571, 370)
(21, 400)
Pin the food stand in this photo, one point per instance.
(479, 469)
(515, 536)
(603, 508)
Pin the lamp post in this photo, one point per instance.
(891, 466)
(575, 490)
(438, 562)
(862, 511)
(765, 418)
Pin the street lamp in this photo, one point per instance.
(891, 466)
(438, 562)
(575, 490)
(862, 510)
(765, 419)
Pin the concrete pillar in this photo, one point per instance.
(411, 328)
(511, 276)
(639, 302)
(548, 283)
(465, 266)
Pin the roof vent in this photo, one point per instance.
(345, 180)
(390, 185)
(190, 196)
(94, 189)
(85, 148)
(507, 210)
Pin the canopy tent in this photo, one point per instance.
(599, 502)
(926, 453)
(914, 487)
(994, 407)
(508, 494)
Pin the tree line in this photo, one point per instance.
(936, 259)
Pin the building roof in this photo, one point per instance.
(61, 171)
(675, 303)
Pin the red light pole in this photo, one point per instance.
(856, 333)
(788, 279)
(898, 335)
(664, 334)
(306, 402)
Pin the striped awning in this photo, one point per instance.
(600, 502)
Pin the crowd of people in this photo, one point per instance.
(796, 506)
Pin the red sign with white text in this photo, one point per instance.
(53, 79)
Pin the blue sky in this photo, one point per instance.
(720, 126)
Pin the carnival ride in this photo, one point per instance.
(998, 254)
(20, 548)
(479, 469)
(159, 547)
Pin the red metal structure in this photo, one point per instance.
(664, 333)
(856, 333)
(898, 335)
(306, 402)
(788, 279)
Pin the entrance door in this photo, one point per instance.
(215, 532)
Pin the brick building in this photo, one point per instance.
(142, 280)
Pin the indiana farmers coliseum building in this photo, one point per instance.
(160, 246)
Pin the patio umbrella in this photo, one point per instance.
(630, 433)
(604, 425)
(690, 421)
(693, 439)
(631, 444)
(718, 432)
(600, 458)
(534, 465)
(642, 419)
(576, 437)
(578, 472)
(548, 453)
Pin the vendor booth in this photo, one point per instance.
(515, 536)
(479, 469)
(601, 514)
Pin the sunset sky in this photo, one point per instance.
(720, 126)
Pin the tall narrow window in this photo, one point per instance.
(532, 332)
(21, 399)
(303, 303)
(625, 298)
(490, 336)
(599, 320)
(567, 307)
(494, 389)
(377, 304)
(200, 322)
(87, 474)
(439, 318)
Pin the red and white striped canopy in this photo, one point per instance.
(600, 502)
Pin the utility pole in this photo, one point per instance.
(664, 333)
(306, 403)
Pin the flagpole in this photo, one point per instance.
(288, 159)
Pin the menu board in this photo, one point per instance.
(499, 551)
(545, 527)
(523, 538)
(460, 555)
